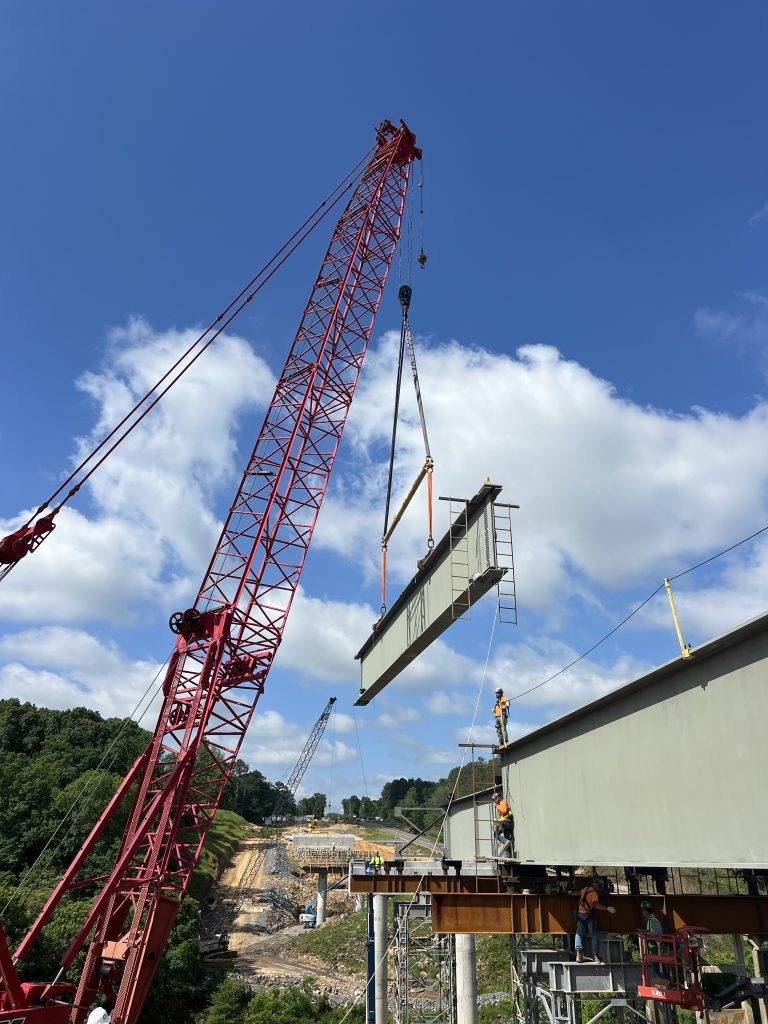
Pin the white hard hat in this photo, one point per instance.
(98, 1016)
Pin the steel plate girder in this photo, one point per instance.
(522, 914)
(462, 567)
(476, 905)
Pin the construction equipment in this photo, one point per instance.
(672, 973)
(297, 772)
(308, 917)
(227, 640)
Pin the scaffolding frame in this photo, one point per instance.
(424, 968)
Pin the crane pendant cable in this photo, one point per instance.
(406, 342)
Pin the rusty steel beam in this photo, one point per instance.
(480, 904)
(394, 884)
(524, 914)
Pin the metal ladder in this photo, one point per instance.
(502, 527)
(458, 547)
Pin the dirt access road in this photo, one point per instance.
(262, 932)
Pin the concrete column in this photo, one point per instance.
(758, 966)
(380, 904)
(466, 980)
(322, 891)
(359, 901)
(738, 955)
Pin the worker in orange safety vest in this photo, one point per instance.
(589, 902)
(501, 714)
(505, 826)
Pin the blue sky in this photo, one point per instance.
(592, 321)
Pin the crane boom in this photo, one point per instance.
(302, 761)
(227, 641)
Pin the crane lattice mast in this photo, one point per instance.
(227, 641)
(299, 769)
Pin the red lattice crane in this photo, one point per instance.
(227, 641)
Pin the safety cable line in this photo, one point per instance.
(278, 259)
(481, 687)
(360, 749)
(719, 554)
(592, 648)
(623, 622)
(130, 717)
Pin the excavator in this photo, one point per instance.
(308, 917)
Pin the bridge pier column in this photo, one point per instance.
(466, 980)
(380, 907)
(322, 892)
(758, 969)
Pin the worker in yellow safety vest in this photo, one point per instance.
(501, 714)
(504, 826)
(376, 862)
(654, 926)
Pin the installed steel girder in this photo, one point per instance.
(471, 904)
(519, 913)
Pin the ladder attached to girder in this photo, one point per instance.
(458, 546)
(502, 526)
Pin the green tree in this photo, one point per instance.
(297, 1005)
(314, 804)
(182, 987)
(228, 1004)
(351, 807)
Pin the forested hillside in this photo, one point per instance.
(420, 793)
(58, 770)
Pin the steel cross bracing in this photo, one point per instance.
(227, 643)
(424, 969)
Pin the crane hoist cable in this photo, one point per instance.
(33, 532)
(406, 342)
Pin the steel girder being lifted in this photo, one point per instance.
(226, 644)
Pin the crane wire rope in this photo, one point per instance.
(481, 687)
(406, 342)
(224, 318)
(24, 881)
(635, 610)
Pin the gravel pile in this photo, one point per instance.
(338, 995)
(282, 910)
(493, 998)
(276, 863)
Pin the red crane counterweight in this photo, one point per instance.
(227, 642)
